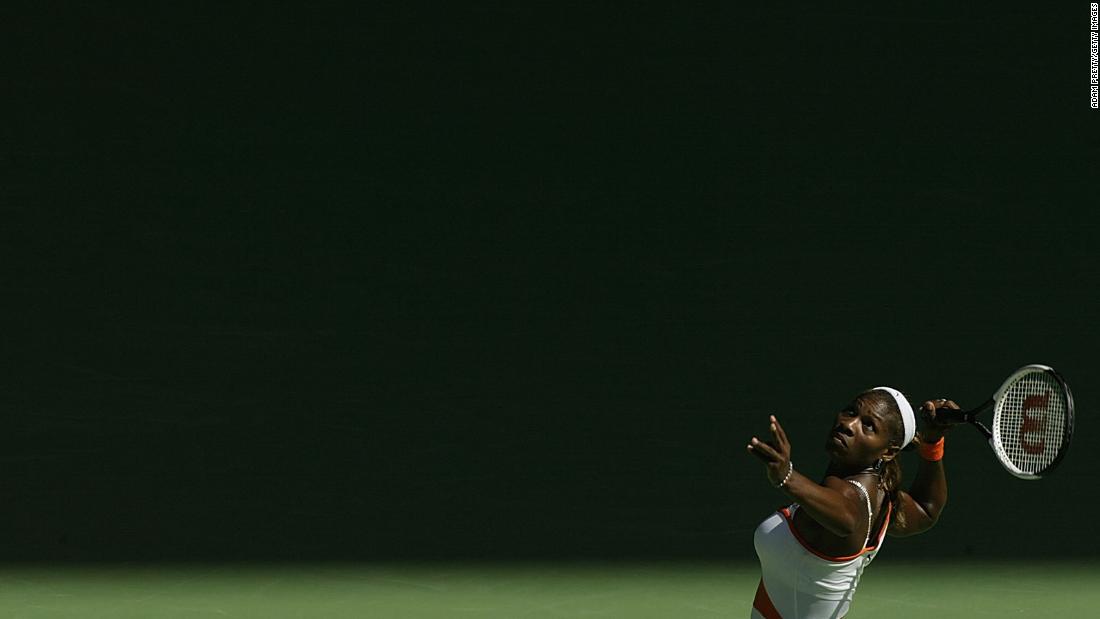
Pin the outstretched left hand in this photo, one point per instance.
(775, 454)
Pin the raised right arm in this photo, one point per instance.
(922, 504)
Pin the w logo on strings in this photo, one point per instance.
(1034, 424)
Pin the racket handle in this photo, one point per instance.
(953, 414)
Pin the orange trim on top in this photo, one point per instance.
(763, 603)
(786, 512)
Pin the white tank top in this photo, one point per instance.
(798, 582)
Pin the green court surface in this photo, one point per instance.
(678, 590)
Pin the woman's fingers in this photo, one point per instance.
(930, 409)
(939, 403)
(779, 433)
(760, 455)
(771, 452)
(764, 448)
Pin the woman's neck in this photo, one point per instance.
(837, 470)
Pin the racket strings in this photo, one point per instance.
(1030, 422)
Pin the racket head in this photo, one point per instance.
(1032, 421)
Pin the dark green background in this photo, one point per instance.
(503, 282)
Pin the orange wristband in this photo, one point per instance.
(933, 452)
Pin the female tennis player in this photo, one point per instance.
(813, 552)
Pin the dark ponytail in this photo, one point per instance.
(891, 481)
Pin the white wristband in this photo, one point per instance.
(790, 471)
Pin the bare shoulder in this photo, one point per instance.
(843, 486)
(913, 518)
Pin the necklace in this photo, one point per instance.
(872, 471)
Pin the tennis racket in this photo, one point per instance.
(1032, 421)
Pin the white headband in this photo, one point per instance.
(908, 420)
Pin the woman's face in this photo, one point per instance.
(860, 435)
